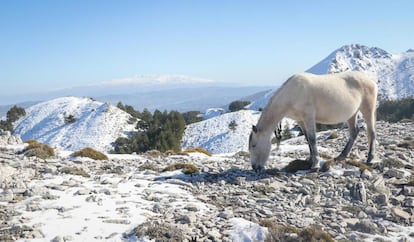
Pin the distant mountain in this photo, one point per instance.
(186, 99)
(94, 124)
(164, 92)
(394, 73)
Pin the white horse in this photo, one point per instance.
(311, 99)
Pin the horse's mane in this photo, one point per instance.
(276, 94)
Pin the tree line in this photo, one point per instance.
(159, 130)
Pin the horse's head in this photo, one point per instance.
(259, 148)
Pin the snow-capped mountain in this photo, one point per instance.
(73, 123)
(394, 72)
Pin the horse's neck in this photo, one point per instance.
(271, 116)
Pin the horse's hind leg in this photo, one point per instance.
(370, 121)
(353, 133)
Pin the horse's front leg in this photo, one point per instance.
(309, 130)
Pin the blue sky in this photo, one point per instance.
(56, 44)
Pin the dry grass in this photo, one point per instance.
(361, 165)
(169, 152)
(197, 150)
(153, 153)
(72, 170)
(297, 165)
(158, 232)
(38, 149)
(311, 233)
(187, 169)
(90, 153)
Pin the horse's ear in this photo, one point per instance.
(254, 128)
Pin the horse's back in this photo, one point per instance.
(333, 97)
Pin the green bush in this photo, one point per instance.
(12, 116)
(238, 105)
(396, 110)
(39, 150)
(70, 119)
(160, 131)
(90, 153)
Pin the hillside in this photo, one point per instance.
(95, 125)
(215, 135)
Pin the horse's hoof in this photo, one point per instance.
(258, 169)
(315, 169)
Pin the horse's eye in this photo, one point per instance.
(254, 146)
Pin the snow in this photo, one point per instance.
(97, 124)
(246, 231)
(215, 135)
(85, 218)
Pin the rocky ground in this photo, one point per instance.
(59, 199)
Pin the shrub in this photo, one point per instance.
(187, 169)
(284, 233)
(39, 150)
(72, 170)
(197, 150)
(90, 153)
(12, 116)
(238, 105)
(233, 125)
(70, 119)
(158, 231)
(160, 131)
(192, 117)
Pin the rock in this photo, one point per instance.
(366, 226)
(400, 214)
(84, 191)
(381, 199)
(409, 202)
(6, 195)
(57, 239)
(117, 221)
(189, 218)
(359, 193)
(226, 214)
(395, 173)
(408, 190)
